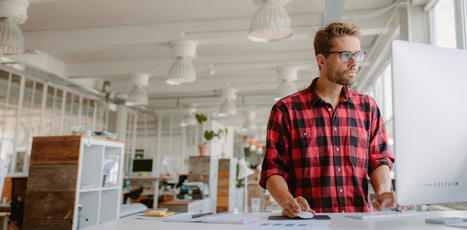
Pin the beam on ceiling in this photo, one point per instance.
(333, 11)
(380, 54)
(221, 64)
(206, 32)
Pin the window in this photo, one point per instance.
(444, 24)
(29, 107)
(381, 91)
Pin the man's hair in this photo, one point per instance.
(324, 38)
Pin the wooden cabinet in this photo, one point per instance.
(72, 173)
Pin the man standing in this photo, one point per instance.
(324, 141)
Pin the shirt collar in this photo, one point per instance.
(313, 96)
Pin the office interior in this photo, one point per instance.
(165, 103)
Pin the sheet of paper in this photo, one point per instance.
(233, 218)
(299, 224)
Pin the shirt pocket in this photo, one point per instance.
(359, 147)
(309, 151)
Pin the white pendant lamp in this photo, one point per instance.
(287, 75)
(182, 70)
(228, 106)
(137, 96)
(249, 123)
(12, 14)
(11, 37)
(189, 118)
(270, 22)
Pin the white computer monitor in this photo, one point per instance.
(430, 123)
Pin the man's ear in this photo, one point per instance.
(321, 59)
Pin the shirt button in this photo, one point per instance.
(340, 190)
(335, 129)
(338, 169)
(337, 149)
(329, 109)
(304, 133)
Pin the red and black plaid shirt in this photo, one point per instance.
(326, 156)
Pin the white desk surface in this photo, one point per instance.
(338, 221)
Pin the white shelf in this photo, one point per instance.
(90, 190)
(109, 208)
(110, 188)
(101, 176)
(91, 165)
(90, 203)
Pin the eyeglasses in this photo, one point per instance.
(346, 56)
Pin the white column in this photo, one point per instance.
(62, 113)
(18, 124)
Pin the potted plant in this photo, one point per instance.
(208, 135)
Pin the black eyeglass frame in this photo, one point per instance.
(347, 51)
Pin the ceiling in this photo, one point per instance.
(109, 39)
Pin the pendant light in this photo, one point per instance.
(182, 70)
(287, 76)
(12, 14)
(137, 96)
(270, 22)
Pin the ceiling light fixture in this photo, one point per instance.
(189, 118)
(270, 22)
(182, 70)
(228, 106)
(12, 14)
(249, 124)
(287, 75)
(137, 95)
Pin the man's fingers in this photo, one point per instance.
(295, 206)
(285, 212)
(303, 204)
(387, 200)
(291, 209)
(377, 205)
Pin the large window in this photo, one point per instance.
(443, 21)
(381, 91)
(31, 107)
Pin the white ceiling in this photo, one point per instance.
(108, 39)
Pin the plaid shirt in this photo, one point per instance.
(326, 156)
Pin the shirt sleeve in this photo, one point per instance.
(380, 153)
(276, 157)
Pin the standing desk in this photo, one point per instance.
(338, 222)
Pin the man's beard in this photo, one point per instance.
(341, 78)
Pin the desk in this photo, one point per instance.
(338, 222)
(155, 183)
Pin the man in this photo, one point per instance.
(323, 141)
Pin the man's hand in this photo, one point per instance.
(292, 207)
(387, 200)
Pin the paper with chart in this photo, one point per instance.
(296, 224)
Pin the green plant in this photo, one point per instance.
(210, 134)
(201, 118)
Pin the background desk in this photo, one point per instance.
(338, 222)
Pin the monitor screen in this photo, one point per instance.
(430, 123)
(142, 165)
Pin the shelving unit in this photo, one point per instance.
(85, 171)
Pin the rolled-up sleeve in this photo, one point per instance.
(380, 152)
(276, 157)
